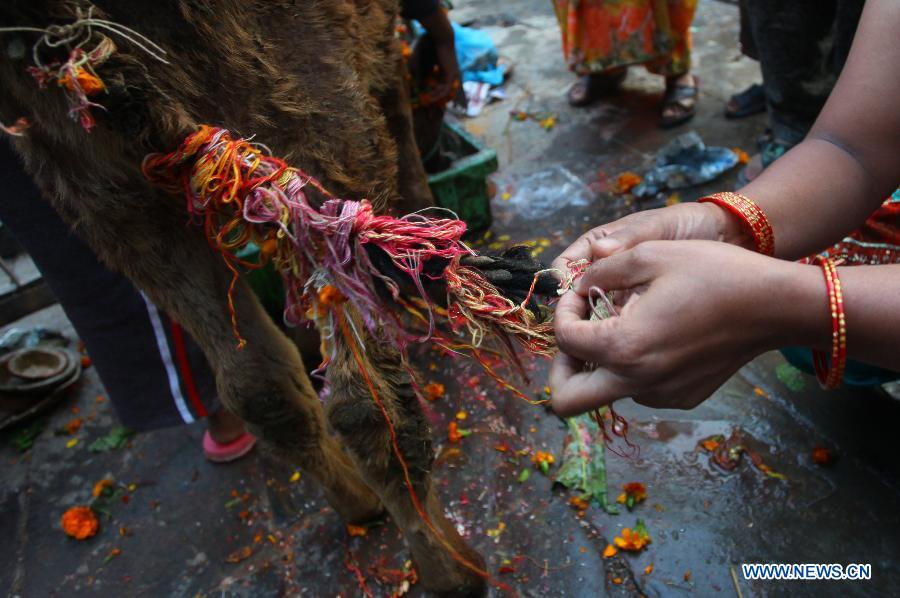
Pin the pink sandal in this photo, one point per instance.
(224, 453)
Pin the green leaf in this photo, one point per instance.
(25, 436)
(523, 477)
(641, 529)
(116, 438)
(584, 462)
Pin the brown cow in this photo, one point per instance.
(319, 82)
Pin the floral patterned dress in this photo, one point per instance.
(599, 35)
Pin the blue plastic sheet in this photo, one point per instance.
(475, 52)
(477, 55)
(684, 162)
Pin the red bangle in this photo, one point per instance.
(750, 214)
(831, 375)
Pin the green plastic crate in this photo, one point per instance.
(463, 186)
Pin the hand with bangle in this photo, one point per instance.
(707, 286)
(697, 309)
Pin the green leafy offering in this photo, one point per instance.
(790, 376)
(24, 437)
(584, 462)
(523, 477)
(116, 438)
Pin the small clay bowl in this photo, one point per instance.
(37, 363)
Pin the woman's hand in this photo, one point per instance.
(704, 221)
(701, 311)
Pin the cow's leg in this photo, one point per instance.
(264, 383)
(437, 549)
(412, 181)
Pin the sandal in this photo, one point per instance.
(683, 97)
(230, 451)
(770, 149)
(589, 88)
(746, 103)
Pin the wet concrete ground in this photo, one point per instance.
(185, 518)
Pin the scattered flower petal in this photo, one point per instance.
(239, 555)
(102, 487)
(822, 456)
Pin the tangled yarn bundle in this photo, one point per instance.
(318, 243)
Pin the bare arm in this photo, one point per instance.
(850, 162)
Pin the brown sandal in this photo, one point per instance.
(589, 88)
(678, 96)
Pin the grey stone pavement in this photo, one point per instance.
(184, 519)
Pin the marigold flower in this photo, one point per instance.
(80, 523)
(434, 391)
(627, 181)
(633, 493)
(610, 551)
(579, 503)
(87, 81)
(543, 460)
(633, 540)
(72, 426)
(330, 295)
(455, 433)
(356, 530)
(712, 443)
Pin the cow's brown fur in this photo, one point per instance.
(319, 82)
